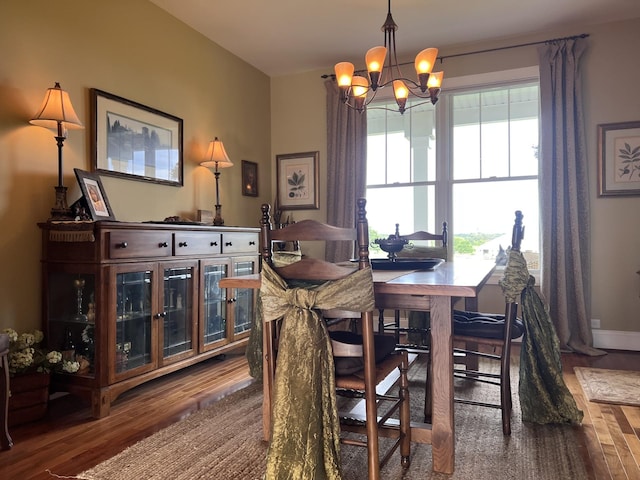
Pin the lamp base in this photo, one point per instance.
(217, 220)
(61, 211)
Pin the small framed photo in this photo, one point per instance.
(297, 181)
(249, 178)
(134, 141)
(94, 194)
(619, 159)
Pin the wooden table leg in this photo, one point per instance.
(443, 435)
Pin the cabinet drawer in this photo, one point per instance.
(197, 243)
(241, 242)
(133, 244)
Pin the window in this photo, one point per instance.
(485, 167)
(401, 169)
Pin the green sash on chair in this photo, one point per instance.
(544, 397)
(305, 435)
(254, 347)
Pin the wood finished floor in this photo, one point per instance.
(611, 432)
(68, 441)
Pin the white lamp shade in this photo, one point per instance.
(216, 156)
(56, 107)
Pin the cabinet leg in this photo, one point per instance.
(100, 403)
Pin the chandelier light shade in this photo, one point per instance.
(57, 112)
(384, 71)
(217, 158)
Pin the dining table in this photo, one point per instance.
(431, 290)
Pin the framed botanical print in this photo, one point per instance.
(619, 159)
(297, 181)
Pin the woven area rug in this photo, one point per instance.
(620, 387)
(224, 442)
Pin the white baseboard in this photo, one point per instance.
(616, 340)
(612, 340)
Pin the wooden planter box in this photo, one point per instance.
(29, 398)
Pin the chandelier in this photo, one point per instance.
(358, 91)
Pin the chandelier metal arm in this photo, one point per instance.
(429, 95)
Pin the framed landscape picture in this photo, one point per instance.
(131, 140)
(619, 159)
(297, 181)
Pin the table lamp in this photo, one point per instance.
(217, 158)
(57, 112)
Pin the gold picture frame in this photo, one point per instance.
(297, 181)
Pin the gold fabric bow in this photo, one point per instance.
(544, 396)
(305, 432)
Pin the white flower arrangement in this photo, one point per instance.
(26, 354)
(70, 367)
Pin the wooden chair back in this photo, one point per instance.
(317, 269)
(501, 341)
(431, 245)
(309, 268)
(411, 251)
(422, 235)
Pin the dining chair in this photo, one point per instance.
(488, 336)
(416, 335)
(5, 439)
(354, 362)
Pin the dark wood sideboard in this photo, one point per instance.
(133, 301)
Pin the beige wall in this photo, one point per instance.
(611, 94)
(133, 49)
(137, 51)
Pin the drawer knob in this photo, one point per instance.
(228, 244)
(122, 245)
(182, 244)
(214, 244)
(252, 242)
(163, 245)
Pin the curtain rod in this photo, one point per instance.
(552, 40)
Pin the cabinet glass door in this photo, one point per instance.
(214, 325)
(243, 307)
(70, 310)
(178, 312)
(134, 328)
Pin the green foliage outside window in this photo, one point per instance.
(467, 243)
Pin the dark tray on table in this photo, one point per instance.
(406, 263)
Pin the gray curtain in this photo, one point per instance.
(564, 195)
(346, 167)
